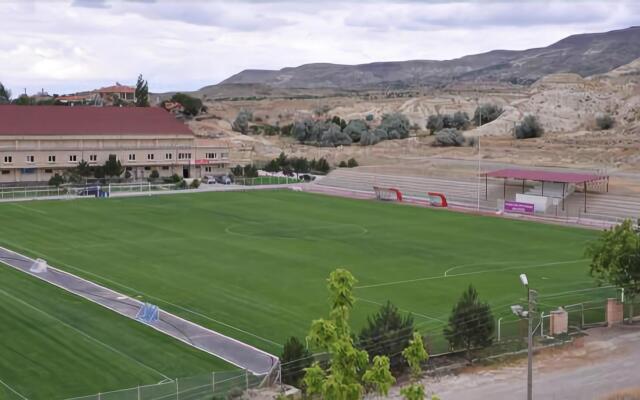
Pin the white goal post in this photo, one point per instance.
(387, 193)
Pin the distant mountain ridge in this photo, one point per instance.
(584, 54)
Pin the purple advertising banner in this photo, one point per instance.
(515, 206)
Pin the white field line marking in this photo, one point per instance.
(156, 298)
(403, 310)
(82, 333)
(18, 205)
(13, 390)
(569, 292)
(467, 273)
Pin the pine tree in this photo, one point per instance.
(470, 324)
(142, 92)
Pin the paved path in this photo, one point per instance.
(240, 354)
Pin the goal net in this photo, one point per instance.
(387, 194)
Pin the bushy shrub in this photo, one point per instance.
(355, 128)
(528, 128)
(343, 164)
(195, 184)
(175, 178)
(369, 117)
(192, 105)
(321, 165)
(56, 180)
(449, 137)
(486, 113)
(241, 123)
(352, 163)
(605, 121)
(154, 174)
(459, 120)
(395, 125)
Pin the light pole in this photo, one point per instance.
(519, 311)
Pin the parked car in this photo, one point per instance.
(209, 179)
(224, 179)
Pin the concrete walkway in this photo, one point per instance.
(231, 350)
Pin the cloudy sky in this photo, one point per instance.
(70, 45)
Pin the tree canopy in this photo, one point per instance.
(615, 259)
(142, 92)
(5, 94)
(471, 323)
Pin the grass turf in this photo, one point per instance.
(253, 264)
(55, 345)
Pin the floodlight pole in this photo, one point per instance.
(529, 346)
(479, 175)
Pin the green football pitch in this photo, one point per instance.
(253, 265)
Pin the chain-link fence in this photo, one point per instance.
(215, 385)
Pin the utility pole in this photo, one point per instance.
(530, 308)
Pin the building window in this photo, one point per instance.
(207, 169)
(6, 171)
(212, 156)
(165, 168)
(73, 158)
(147, 168)
(8, 159)
(92, 157)
(52, 158)
(132, 157)
(150, 156)
(184, 156)
(168, 156)
(48, 171)
(224, 155)
(31, 159)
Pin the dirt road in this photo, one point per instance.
(608, 361)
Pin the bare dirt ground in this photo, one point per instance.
(565, 104)
(606, 362)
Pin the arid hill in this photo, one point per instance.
(585, 55)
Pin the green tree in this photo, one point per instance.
(237, 170)
(342, 164)
(529, 128)
(615, 259)
(342, 377)
(192, 105)
(154, 175)
(241, 123)
(387, 333)
(322, 166)
(294, 359)
(300, 165)
(56, 180)
(352, 163)
(24, 100)
(415, 355)
(355, 128)
(83, 169)
(142, 92)
(113, 167)
(379, 376)
(471, 323)
(486, 113)
(5, 94)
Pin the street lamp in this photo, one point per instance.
(520, 312)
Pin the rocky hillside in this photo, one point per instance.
(585, 55)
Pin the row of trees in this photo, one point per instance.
(110, 169)
(387, 345)
(298, 165)
(460, 120)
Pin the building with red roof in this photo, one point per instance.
(37, 142)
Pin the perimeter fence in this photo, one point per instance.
(215, 385)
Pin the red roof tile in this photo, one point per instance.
(61, 120)
(117, 89)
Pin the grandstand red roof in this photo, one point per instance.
(61, 120)
(546, 176)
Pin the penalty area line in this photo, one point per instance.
(428, 278)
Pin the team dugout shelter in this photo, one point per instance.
(558, 184)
